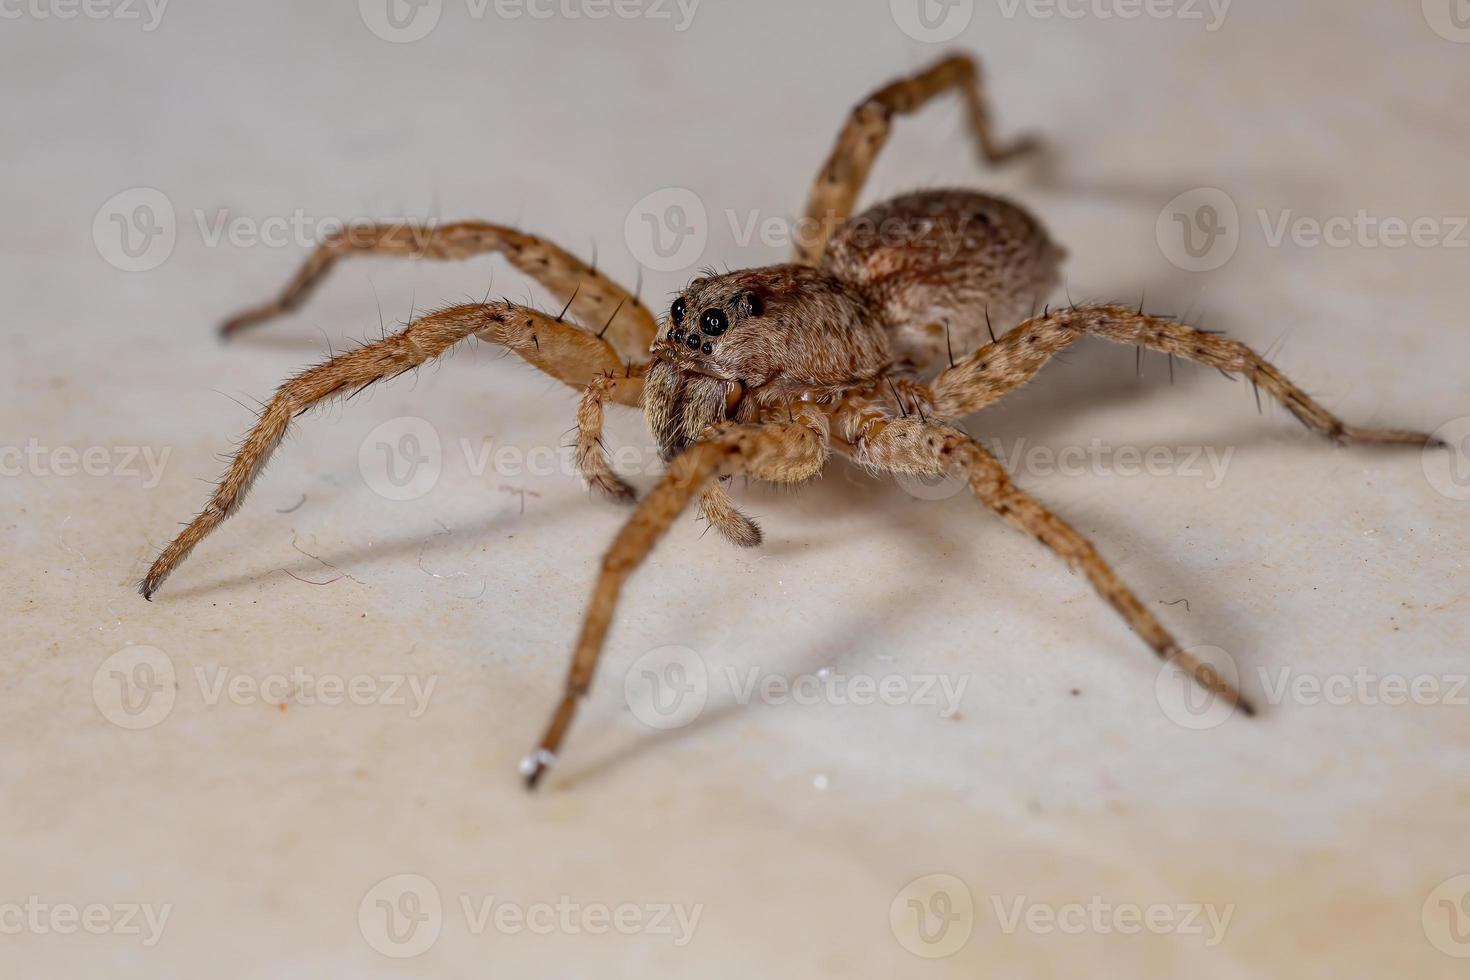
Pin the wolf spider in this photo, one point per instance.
(764, 372)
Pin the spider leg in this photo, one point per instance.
(928, 448)
(594, 299)
(996, 369)
(597, 471)
(592, 459)
(717, 507)
(563, 351)
(780, 452)
(836, 190)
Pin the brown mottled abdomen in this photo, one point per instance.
(932, 257)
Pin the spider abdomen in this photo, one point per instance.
(945, 258)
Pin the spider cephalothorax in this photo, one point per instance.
(764, 373)
(735, 344)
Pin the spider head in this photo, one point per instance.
(733, 343)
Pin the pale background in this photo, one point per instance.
(1324, 827)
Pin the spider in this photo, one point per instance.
(766, 372)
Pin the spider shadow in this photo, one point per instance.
(1048, 176)
(318, 343)
(829, 654)
(903, 606)
(1113, 376)
(313, 345)
(348, 561)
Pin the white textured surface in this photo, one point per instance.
(1326, 827)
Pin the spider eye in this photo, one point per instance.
(714, 322)
(677, 312)
(754, 304)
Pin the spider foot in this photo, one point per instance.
(152, 581)
(722, 515)
(534, 766)
(243, 320)
(739, 530)
(613, 487)
(1386, 437)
